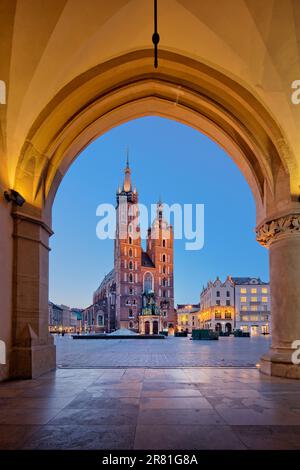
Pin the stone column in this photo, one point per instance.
(151, 326)
(282, 237)
(33, 351)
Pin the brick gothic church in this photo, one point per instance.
(138, 293)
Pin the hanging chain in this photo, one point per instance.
(155, 36)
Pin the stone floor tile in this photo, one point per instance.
(171, 392)
(82, 437)
(13, 437)
(86, 416)
(174, 403)
(269, 437)
(179, 417)
(27, 416)
(186, 437)
(247, 416)
(84, 402)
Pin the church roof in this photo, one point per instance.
(146, 260)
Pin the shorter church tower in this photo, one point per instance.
(160, 250)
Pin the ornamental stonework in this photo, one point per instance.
(273, 229)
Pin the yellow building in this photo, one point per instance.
(218, 318)
(188, 317)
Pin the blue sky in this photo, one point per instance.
(170, 160)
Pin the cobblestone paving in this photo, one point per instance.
(170, 352)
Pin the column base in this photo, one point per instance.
(278, 363)
(33, 361)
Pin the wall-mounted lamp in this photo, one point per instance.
(13, 196)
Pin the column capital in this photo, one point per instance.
(278, 228)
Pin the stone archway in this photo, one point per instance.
(194, 94)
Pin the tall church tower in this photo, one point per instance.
(160, 250)
(127, 255)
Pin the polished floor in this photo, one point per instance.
(170, 352)
(183, 408)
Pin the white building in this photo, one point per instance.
(252, 305)
(217, 306)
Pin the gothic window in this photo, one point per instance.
(164, 269)
(130, 265)
(164, 293)
(130, 253)
(148, 282)
(134, 302)
(164, 258)
(130, 313)
(164, 243)
(130, 241)
(130, 277)
(100, 320)
(130, 228)
(131, 291)
(164, 282)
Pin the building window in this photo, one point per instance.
(253, 290)
(164, 258)
(254, 308)
(164, 270)
(164, 282)
(164, 293)
(218, 293)
(130, 313)
(164, 243)
(227, 302)
(253, 299)
(244, 307)
(243, 290)
(130, 253)
(217, 315)
(243, 299)
(218, 302)
(227, 293)
(100, 320)
(130, 265)
(131, 277)
(264, 299)
(130, 241)
(148, 282)
(264, 290)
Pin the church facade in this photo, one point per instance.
(138, 294)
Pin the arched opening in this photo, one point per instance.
(205, 99)
(228, 328)
(218, 327)
(147, 327)
(155, 327)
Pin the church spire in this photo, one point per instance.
(127, 179)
